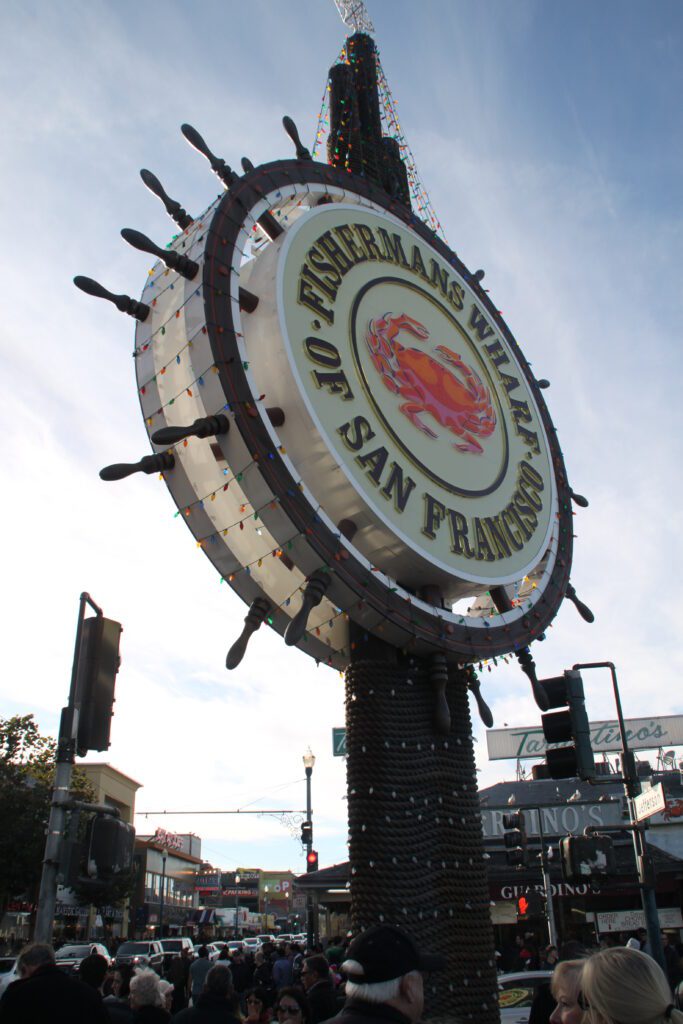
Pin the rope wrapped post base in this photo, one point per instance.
(416, 847)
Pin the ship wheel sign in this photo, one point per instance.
(345, 422)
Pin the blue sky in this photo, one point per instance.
(549, 136)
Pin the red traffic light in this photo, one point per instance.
(522, 906)
(312, 860)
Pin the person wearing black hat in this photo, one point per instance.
(383, 977)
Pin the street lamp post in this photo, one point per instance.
(309, 762)
(237, 905)
(164, 855)
(266, 890)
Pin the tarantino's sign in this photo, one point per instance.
(642, 734)
(418, 395)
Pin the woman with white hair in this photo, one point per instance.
(625, 986)
(146, 1000)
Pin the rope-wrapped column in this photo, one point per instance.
(416, 848)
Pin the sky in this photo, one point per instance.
(550, 139)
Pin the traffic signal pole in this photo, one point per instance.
(547, 884)
(61, 798)
(632, 788)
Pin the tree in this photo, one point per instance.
(27, 765)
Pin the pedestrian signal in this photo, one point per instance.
(530, 905)
(306, 833)
(586, 857)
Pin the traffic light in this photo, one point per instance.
(586, 857)
(306, 833)
(570, 725)
(110, 846)
(530, 905)
(515, 839)
(98, 663)
(312, 860)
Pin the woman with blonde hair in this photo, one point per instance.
(625, 986)
(564, 985)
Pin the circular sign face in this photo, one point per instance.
(349, 429)
(419, 397)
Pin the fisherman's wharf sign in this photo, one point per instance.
(420, 398)
(347, 424)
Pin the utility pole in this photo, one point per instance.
(61, 795)
(632, 787)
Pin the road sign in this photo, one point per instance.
(652, 801)
(339, 742)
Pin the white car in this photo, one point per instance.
(251, 944)
(266, 938)
(516, 994)
(8, 972)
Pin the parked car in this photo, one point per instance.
(517, 991)
(8, 972)
(212, 950)
(145, 953)
(251, 944)
(69, 957)
(235, 946)
(174, 947)
(268, 938)
(285, 937)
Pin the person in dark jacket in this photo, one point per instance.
(218, 1002)
(317, 982)
(46, 993)
(383, 971)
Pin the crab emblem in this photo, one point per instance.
(457, 399)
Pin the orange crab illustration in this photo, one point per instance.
(458, 400)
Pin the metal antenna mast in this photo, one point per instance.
(354, 14)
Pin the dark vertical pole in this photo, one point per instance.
(632, 788)
(416, 846)
(66, 755)
(161, 895)
(309, 846)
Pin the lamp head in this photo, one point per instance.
(309, 759)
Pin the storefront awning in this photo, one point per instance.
(203, 916)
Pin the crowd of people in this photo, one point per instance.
(277, 985)
(377, 978)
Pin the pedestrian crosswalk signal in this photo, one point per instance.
(306, 833)
(529, 905)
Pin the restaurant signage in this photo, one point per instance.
(523, 742)
(555, 819)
